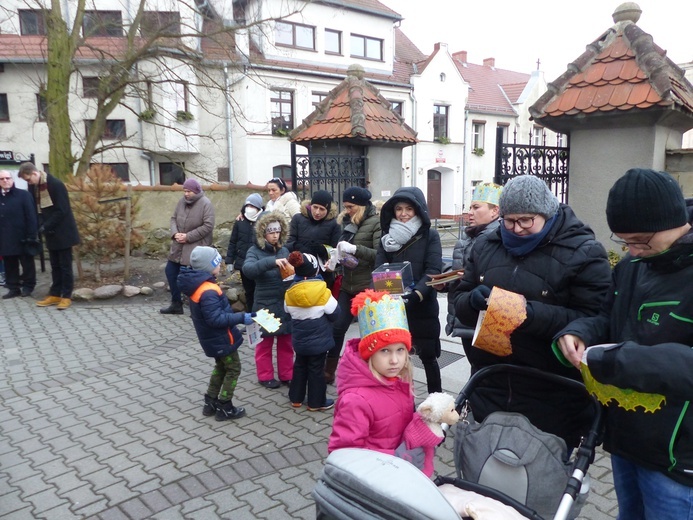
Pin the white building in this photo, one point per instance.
(219, 107)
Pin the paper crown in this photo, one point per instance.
(489, 193)
(382, 321)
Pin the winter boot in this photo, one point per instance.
(210, 407)
(174, 308)
(330, 369)
(227, 411)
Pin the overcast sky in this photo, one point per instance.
(518, 33)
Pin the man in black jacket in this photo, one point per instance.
(57, 224)
(642, 340)
(17, 232)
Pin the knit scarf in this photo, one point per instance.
(523, 245)
(44, 198)
(400, 233)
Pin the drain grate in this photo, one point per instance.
(445, 359)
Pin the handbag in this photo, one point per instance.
(337, 285)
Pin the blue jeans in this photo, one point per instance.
(649, 495)
(172, 270)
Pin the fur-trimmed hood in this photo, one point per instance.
(305, 211)
(263, 221)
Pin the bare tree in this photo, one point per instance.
(151, 52)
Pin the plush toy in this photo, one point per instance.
(425, 429)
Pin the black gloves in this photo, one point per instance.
(412, 297)
(478, 297)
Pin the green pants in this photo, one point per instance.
(224, 377)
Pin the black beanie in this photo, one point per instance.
(356, 195)
(304, 264)
(645, 201)
(322, 198)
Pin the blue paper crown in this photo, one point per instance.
(387, 313)
(489, 193)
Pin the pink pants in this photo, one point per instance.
(285, 358)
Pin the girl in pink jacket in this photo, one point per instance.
(374, 383)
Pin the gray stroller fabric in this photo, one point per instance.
(506, 452)
(358, 484)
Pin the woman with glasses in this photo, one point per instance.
(280, 199)
(545, 253)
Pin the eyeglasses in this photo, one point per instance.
(523, 222)
(627, 243)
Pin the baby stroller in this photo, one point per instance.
(503, 457)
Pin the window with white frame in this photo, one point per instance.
(561, 140)
(504, 129)
(478, 135)
(440, 122)
(299, 36)
(31, 21)
(366, 47)
(537, 136)
(396, 107)
(333, 42)
(317, 97)
(102, 23)
(4, 108)
(282, 112)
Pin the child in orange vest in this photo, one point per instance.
(215, 324)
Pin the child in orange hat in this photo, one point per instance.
(374, 384)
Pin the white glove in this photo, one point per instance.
(346, 247)
(229, 268)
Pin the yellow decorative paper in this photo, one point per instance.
(506, 311)
(624, 397)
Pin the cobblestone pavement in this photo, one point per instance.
(100, 418)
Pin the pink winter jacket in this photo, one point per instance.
(369, 413)
(418, 435)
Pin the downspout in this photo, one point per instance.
(229, 137)
(414, 169)
(464, 157)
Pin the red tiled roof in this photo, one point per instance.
(623, 70)
(369, 6)
(354, 109)
(491, 89)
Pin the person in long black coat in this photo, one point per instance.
(57, 224)
(17, 227)
(407, 236)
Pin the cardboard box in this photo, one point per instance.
(394, 278)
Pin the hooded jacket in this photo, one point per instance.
(425, 253)
(260, 265)
(196, 218)
(306, 233)
(287, 204)
(366, 238)
(369, 413)
(649, 314)
(312, 308)
(214, 320)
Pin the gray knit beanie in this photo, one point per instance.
(645, 201)
(204, 258)
(528, 194)
(254, 199)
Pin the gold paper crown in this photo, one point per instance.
(382, 321)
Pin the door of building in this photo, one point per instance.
(433, 194)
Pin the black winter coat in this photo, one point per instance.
(306, 233)
(649, 314)
(214, 320)
(425, 254)
(566, 277)
(55, 217)
(242, 238)
(17, 221)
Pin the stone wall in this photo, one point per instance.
(156, 205)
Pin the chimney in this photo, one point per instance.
(440, 45)
(461, 55)
(489, 62)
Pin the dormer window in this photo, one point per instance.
(442, 77)
(366, 47)
(296, 35)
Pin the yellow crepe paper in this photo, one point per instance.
(624, 397)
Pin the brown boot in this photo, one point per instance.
(330, 369)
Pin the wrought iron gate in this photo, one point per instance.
(332, 168)
(549, 163)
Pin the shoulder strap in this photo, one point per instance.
(206, 286)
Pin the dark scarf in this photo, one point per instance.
(475, 231)
(522, 245)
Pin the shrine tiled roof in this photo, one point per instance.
(622, 70)
(354, 109)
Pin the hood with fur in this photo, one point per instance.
(331, 214)
(262, 222)
(413, 196)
